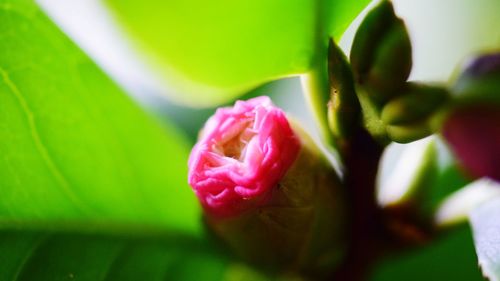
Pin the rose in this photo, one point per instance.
(241, 155)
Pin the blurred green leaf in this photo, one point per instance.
(449, 176)
(485, 221)
(449, 258)
(74, 149)
(68, 256)
(213, 51)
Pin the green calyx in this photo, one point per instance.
(301, 228)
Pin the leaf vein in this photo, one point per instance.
(40, 147)
(28, 255)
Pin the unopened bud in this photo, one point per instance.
(408, 132)
(381, 52)
(416, 103)
(267, 191)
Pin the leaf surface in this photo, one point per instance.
(93, 257)
(75, 151)
(213, 51)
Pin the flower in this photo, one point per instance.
(242, 153)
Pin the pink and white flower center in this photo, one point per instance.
(242, 154)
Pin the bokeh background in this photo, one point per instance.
(443, 33)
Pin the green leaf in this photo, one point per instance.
(486, 228)
(212, 51)
(69, 256)
(449, 258)
(74, 150)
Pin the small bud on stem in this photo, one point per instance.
(381, 54)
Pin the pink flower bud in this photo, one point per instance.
(471, 124)
(473, 132)
(241, 155)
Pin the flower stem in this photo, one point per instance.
(362, 154)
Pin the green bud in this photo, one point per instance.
(418, 103)
(409, 132)
(392, 62)
(302, 228)
(344, 110)
(381, 52)
(371, 30)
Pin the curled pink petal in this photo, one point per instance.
(243, 153)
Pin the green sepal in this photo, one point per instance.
(344, 110)
(409, 132)
(418, 103)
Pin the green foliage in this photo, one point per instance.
(450, 258)
(69, 256)
(91, 188)
(74, 150)
(213, 51)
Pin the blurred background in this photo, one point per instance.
(443, 33)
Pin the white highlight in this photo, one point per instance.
(399, 170)
(457, 207)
